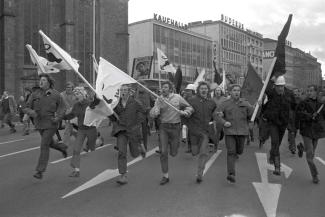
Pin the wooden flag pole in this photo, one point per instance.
(263, 89)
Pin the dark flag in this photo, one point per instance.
(178, 80)
(252, 85)
(279, 66)
(217, 77)
(170, 77)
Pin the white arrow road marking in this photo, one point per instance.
(211, 161)
(269, 196)
(106, 175)
(320, 160)
(82, 153)
(18, 152)
(268, 193)
(17, 140)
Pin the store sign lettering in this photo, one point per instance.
(169, 21)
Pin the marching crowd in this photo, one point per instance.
(198, 115)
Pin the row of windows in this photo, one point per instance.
(255, 42)
(182, 48)
(255, 60)
(234, 57)
(232, 34)
(233, 46)
(255, 51)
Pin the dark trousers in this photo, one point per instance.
(276, 133)
(169, 135)
(235, 146)
(7, 118)
(47, 142)
(123, 139)
(292, 139)
(145, 133)
(310, 147)
(200, 143)
(91, 135)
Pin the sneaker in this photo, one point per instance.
(231, 179)
(74, 174)
(315, 179)
(122, 180)
(300, 148)
(38, 175)
(164, 180)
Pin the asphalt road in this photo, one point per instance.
(257, 192)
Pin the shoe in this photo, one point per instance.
(75, 174)
(13, 130)
(85, 149)
(277, 171)
(122, 180)
(116, 148)
(300, 148)
(25, 134)
(188, 151)
(38, 175)
(164, 180)
(271, 160)
(231, 179)
(315, 179)
(199, 179)
(158, 152)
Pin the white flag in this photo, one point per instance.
(199, 78)
(223, 84)
(95, 64)
(43, 66)
(163, 62)
(59, 58)
(108, 82)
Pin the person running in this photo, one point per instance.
(47, 108)
(310, 116)
(170, 126)
(84, 132)
(189, 92)
(199, 125)
(235, 115)
(127, 130)
(276, 115)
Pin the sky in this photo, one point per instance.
(307, 30)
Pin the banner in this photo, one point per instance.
(163, 63)
(252, 85)
(141, 67)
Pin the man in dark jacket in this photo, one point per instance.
(47, 108)
(127, 130)
(200, 124)
(276, 114)
(310, 116)
(9, 109)
(235, 115)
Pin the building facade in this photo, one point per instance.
(67, 23)
(233, 46)
(302, 69)
(190, 51)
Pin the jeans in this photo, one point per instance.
(123, 139)
(277, 133)
(235, 146)
(47, 143)
(199, 144)
(91, 135)
(310, 147)
(169, 135)
(67, 132)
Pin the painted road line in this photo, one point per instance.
(18, 152)
(17, 140)
(106, 175)
(82, 153)
(210, 161)
(320, 160)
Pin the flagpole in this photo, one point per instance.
(94, 37)
(263, 89)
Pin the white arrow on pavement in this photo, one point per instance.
(268, 193)
(210, 161)
(106, 175)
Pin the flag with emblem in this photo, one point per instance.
(43, 66)
(108, 82)
(163, 62)
(58, 57)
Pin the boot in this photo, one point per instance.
(277, 170)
